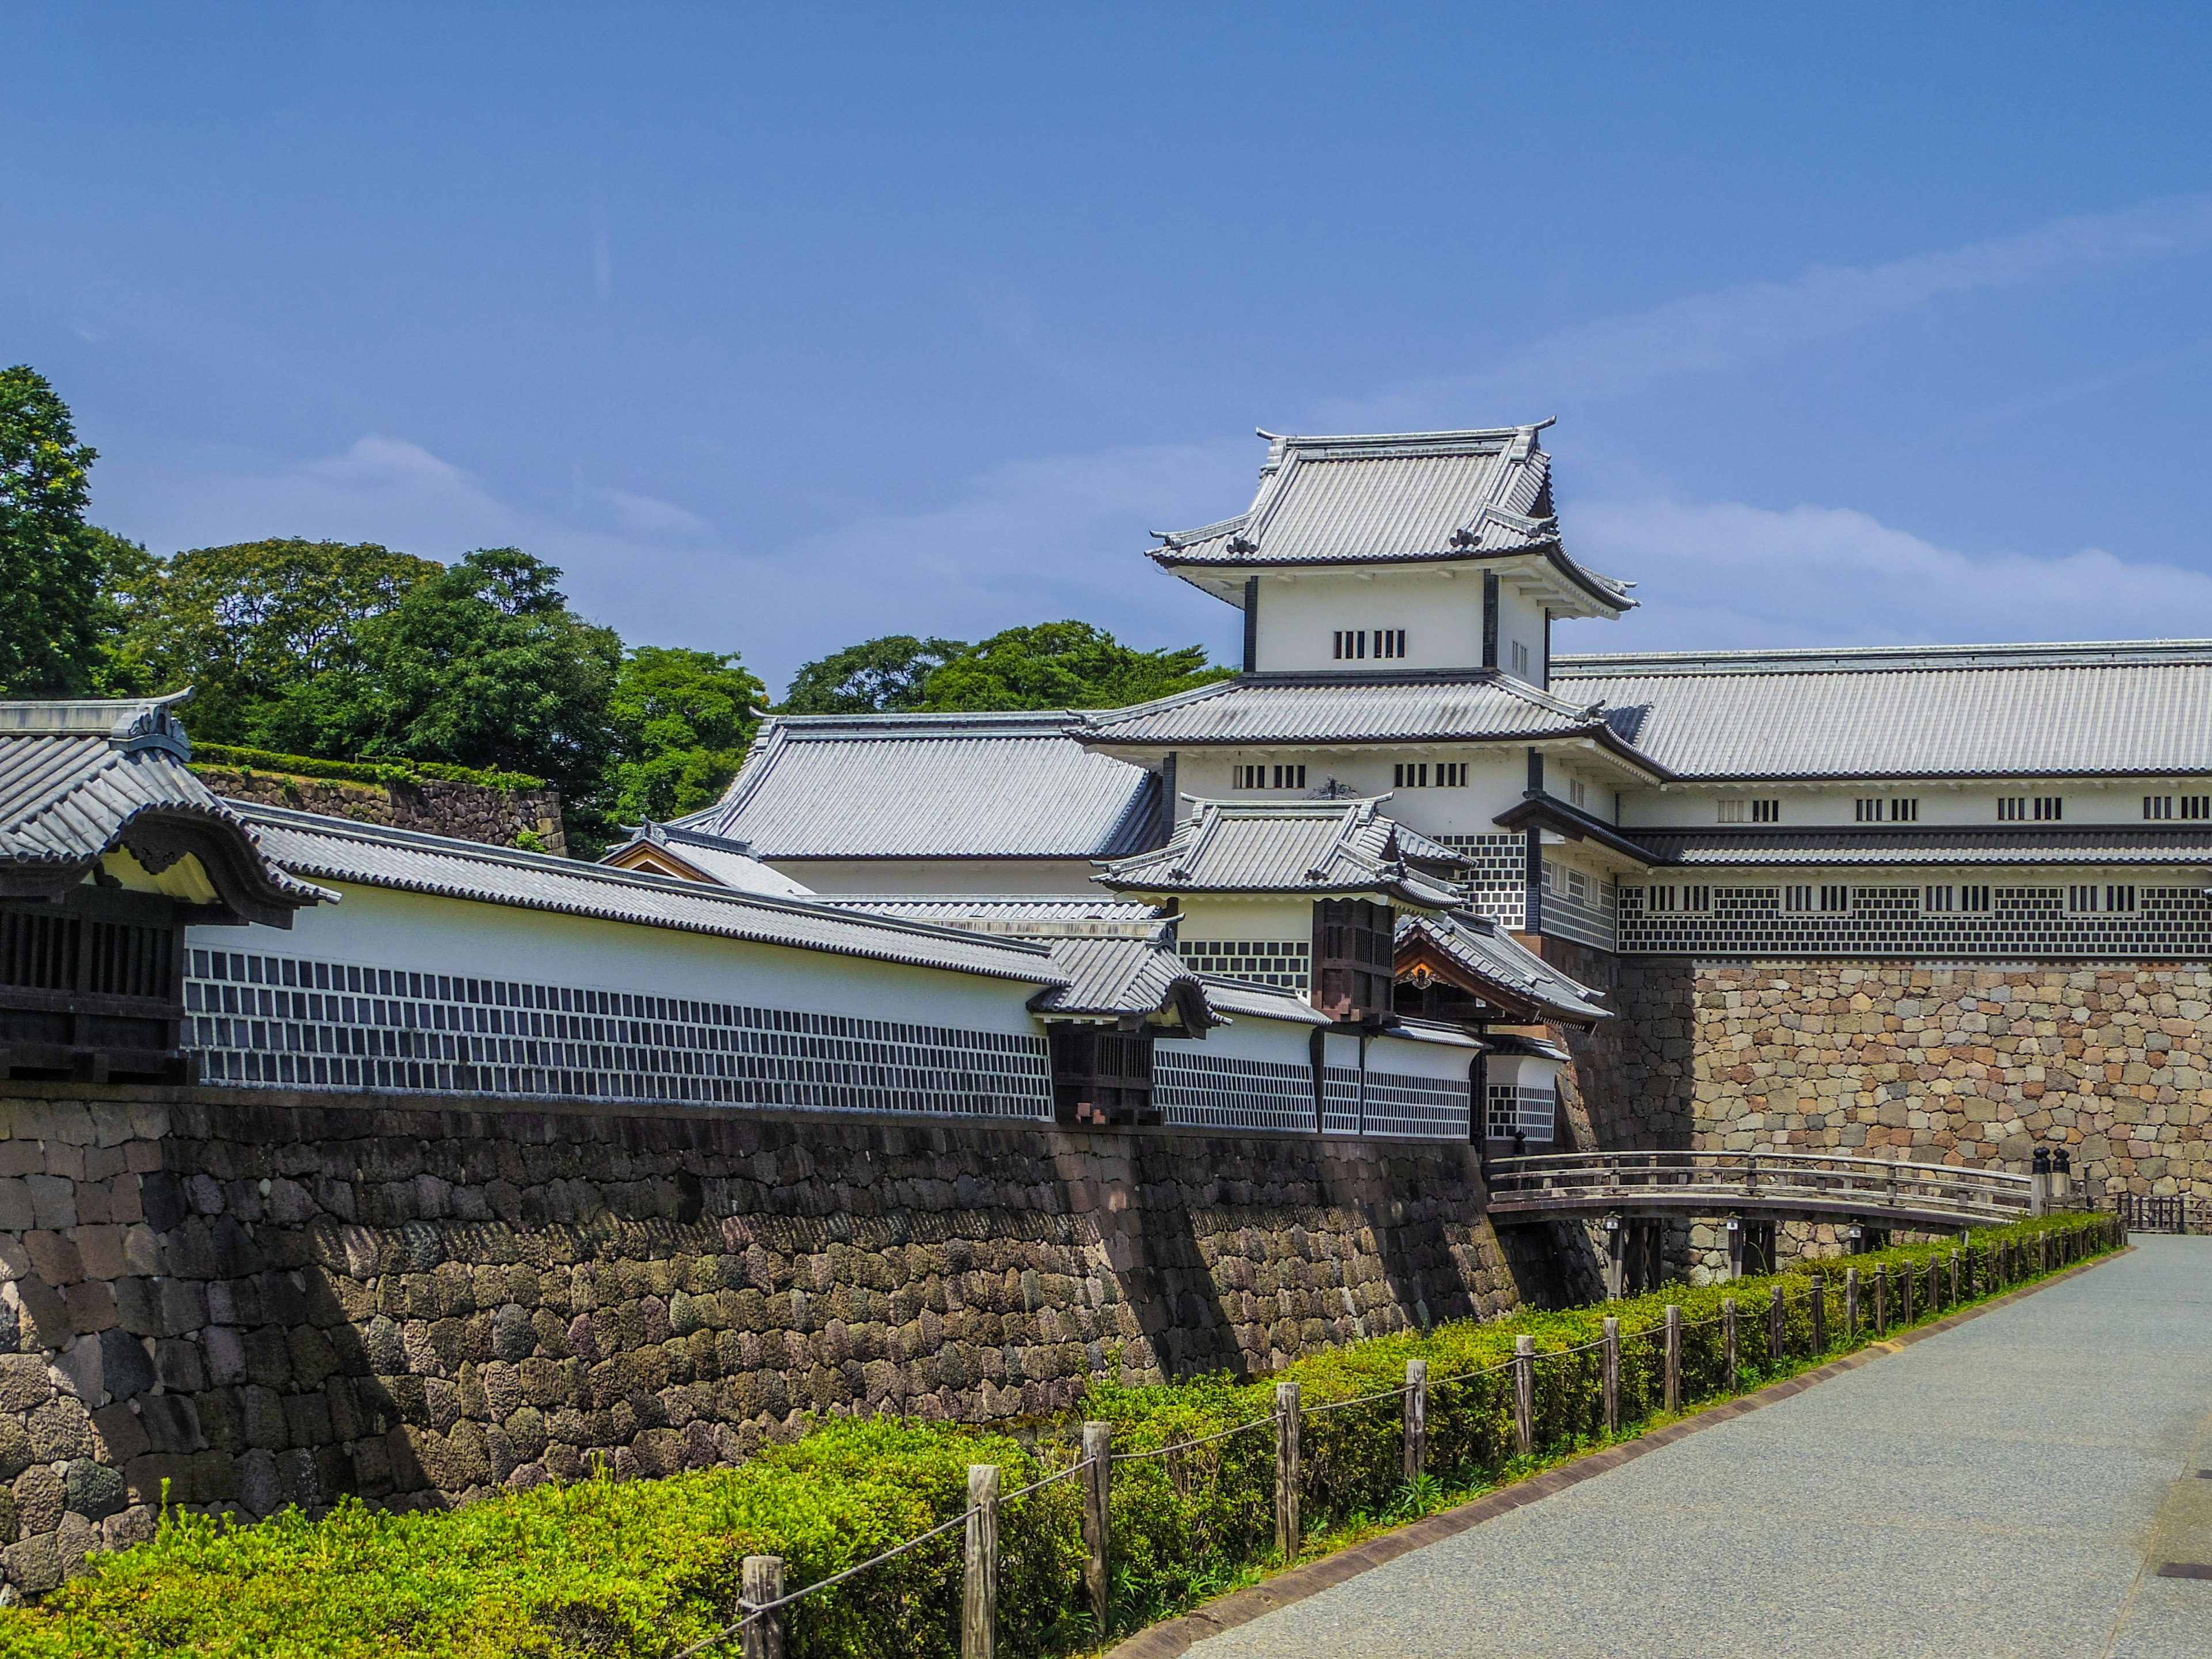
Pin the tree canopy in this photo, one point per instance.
(50, 563)
(1062, 665)
(682, 721)
(271, 636)
(877, 676)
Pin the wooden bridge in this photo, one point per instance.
(1881, 1192)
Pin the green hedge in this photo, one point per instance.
(645, 1568)
(233, 759)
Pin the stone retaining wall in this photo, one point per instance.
(262, 1299)
(468, 812)
(1964, 1065)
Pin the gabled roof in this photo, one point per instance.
(339, 849)
(998, 786)
(2106, 709)
(1392, 498)
(1245, 998)
(1123, 978)
(1494, 960)
(703, 857)
(1312, 848)
(80, 779)
(1409, 706)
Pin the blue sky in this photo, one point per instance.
(778, 328)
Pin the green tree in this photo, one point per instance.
(1062, 665)
(484, 665)
(128, 574)
(879, 677)
(49, 571)
(271, 636)
(682, 721)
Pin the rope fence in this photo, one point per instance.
(1865, 1310)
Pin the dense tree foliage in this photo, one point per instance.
(50, 563)
(877, 676)
(681, 719)
(270, 635)
(1062, 665)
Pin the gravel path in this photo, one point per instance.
(2009, 1487)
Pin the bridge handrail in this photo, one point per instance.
(1656, 1161)
(1884, 1183)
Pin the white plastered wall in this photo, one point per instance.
(1247, 1036)
(379, 927)
(1407, 1058)
(1497, 776)
(1442, 616)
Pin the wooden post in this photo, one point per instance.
(1851, 1307)
(1611, 1352)
(1881, 1301)
(1778, 1327)
(1728, 1338)
(1417, 1418)
(1097, 1512)
(1524, 1394)
(979, 1582)
(1954, 1279)
(1287, 1471)
(1674, 1357)
(763, 1583)
(1908, 1280)
(1820, 1306)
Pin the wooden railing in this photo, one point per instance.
(1812, 1182)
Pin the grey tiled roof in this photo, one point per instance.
(1009, 913)
(1391, 498)
(1970, 711)
(338, 849)
(76, 777)
(1119, 977)
(1431, 1030)
(718, 857)
(1488, 952)
(1256, 710)
(1233, 997)
(1321, 849)
(1932, 844)
(932, 785)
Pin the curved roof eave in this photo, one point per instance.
(1612, 597)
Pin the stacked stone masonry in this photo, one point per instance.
(466, 811)
(259, 1299)
(1972, 1064)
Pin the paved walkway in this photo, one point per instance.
(2009, 1487)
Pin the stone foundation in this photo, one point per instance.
(467, 811)
(262, 1298)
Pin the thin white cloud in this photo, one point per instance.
(1616, 355)
(1027, 542)
(1064, 535)
(1724, 575)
